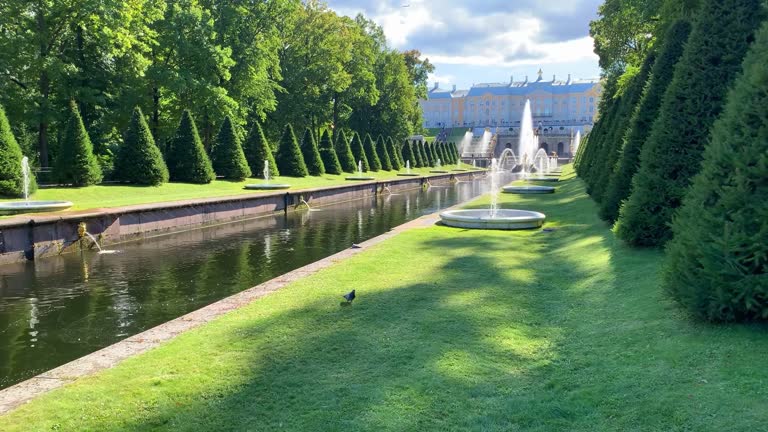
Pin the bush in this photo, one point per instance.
(429, 152)
(187, 160)
(442, 154)
(591, 141)
(289, 160)
(359, 153)
(381, 152)
(409, 155)
(11, 178)
(717, 262)
(139, 161)
(228, 157)
(76, 163)
(672, 155)
(344, 153)
(370, 153)
(328, 155)
(257, 151)
(394, 157)
(423, 154)
(416, 162)
(311, 154)
(642, 119)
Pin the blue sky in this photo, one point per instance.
(488, 40)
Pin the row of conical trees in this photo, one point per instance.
(679, 158)
(233, 156)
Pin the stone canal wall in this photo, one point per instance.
(33, 237)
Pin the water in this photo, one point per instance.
(494, 188)
(541, 161)
(408, 166)
(25, 174)
(575, 144)
(466, 141)
(94, 241)
(360, 167)
(438, 165)
(528, 142)
(58, 309)
(266, 172)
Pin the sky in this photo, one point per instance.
(482, 41)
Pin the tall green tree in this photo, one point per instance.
(344, 152)
(76, 164)
(358, 151)
(11, 178)
(139, 160)
(430, 150)
(409, 155)
(258, 151)
(311, 154)
(624, 31)
(672, 156)
(370, 154)
(717, 261)
(328, 155)
(394, 157)
(416, 162)
(289, 159)
(383, 155)
(187, 160)
(228, 157)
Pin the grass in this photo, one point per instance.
(104, 196)
(453, 330)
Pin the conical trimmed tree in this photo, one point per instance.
(642, 120)
(312, 154)
(417, 162)
(228, 157)
(76, 163)
(409, 155)
(344, 152)
(429, 150)
(139, 160)
(370, 153)
(381, 152)
(717, 263)
(423, 154)
(442, 154)
(672, 155)
(289, 159)
(187, 160)
(394, 157)
(257, 151)
(328, 155)
(11, 178)
(359, 152)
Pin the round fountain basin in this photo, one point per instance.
(15, 207)
(409, 174)
(544, 179)
(528, 190)
(439, 171)
(270, 186)
(360, 178)
(459, 170)
(505, 219)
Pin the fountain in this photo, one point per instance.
(267, 185)
(98, 246)
(438, 168)
(458, 166)
(542, 165)
(408, 172)
(530, 157)
(27, 206)
(575, 144)
(359, 176)
(493, 217)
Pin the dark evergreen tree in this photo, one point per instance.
(258, 150)
(429, 158)
(394, 157)
(591, 144)
(423, 154)
(442, 153)
(76, 163)
(381, 152)
(370, 153)
(187, 160)
(228, 157)
(672, 155)
(289, 159)
(417, 162)
(717, 261)
(312, 154)
(11, 178)
(328, 155)
(642, 119)
(344, 152)
(139, 160)
(409, 155)
(359, 152)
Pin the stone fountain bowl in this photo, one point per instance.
(360, 178)
(16, 207)
(409, 174)
(528, 190)
(505, 219)
(270, 186)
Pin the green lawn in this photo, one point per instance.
(453, 330)
(122, 195)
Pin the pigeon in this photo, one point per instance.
(356, 246)
(350, 296)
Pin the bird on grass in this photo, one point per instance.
(349, 296)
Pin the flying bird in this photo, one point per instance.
(350, 296)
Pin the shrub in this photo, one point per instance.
(358, 152)
(139, 160)
(717, 262)
(76, 163)
(344, 152)
(257, 151)
(11, 178)
(423, 154)
(381, 152)
(642, 119)
(409, 155)
(394, 157)
(328, 155)
(416, 155)
(429, 151)
(187, 159)
(442, 154)
(672, 155)
(370, 153)
(289, 160)
(228, 157)
(311, 154)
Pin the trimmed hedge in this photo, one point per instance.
(695, 97)
(187, 160)
(344, 152)
(328, 155)
(381, 152)
(289, 159)
(228, 157)
(394, 156)
(139, 160)
(11, 178)
(257, 151)
(359, 152)
(76, 164)
(374, 164)
(311, 154)
(642, 120)
(717, 262)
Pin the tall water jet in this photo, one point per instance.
(575, 144)
(359, 176)
(466, 141)
(485, 140)
(528, 143)
(28, 206)
(408, 172)
(25, 174)
(494, 188)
